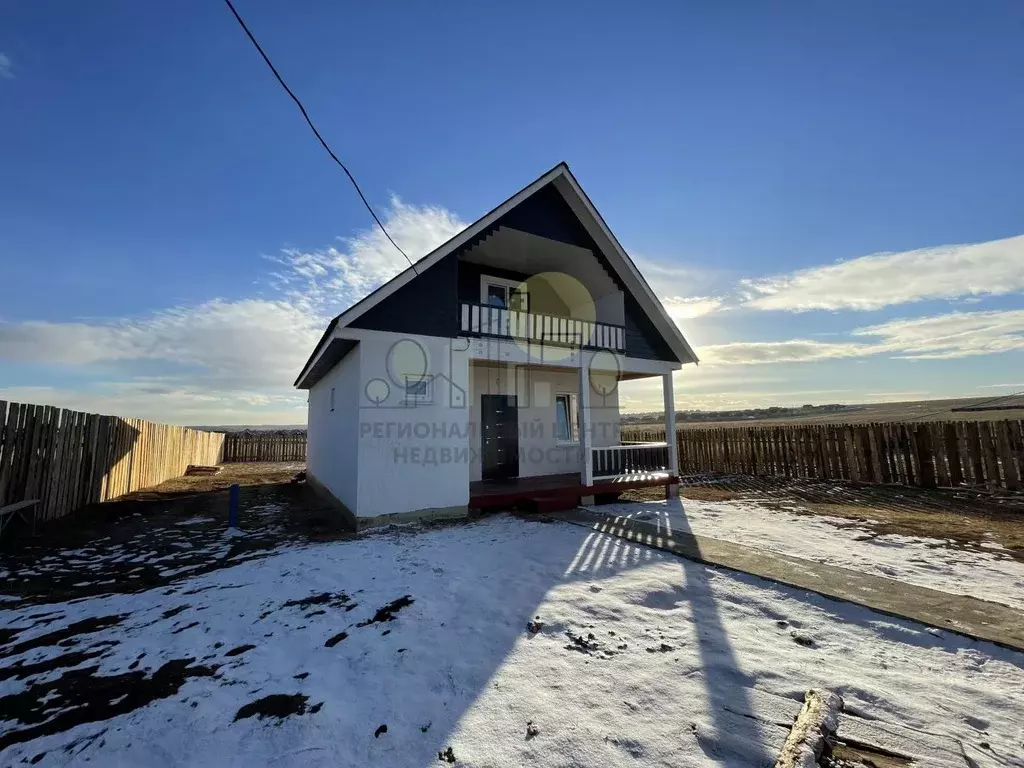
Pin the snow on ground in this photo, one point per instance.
(640, 658)
(990, 575)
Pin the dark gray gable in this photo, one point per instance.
(428, 304)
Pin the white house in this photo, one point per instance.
(488, 373)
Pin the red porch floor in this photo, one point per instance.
(549, 492)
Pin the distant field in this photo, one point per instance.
(919, 410)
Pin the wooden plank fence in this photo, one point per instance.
(265, 446)
(988, 454)
(68, 459)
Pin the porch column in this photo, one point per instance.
(586, 431)
(672, 490)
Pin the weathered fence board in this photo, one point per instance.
(945, 454)
(272, 446)
(68, 459)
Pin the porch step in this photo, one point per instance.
(548, 503)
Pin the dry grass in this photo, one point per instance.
(965, 520)
(968, 529)
(241, 473)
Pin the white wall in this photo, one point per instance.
(412, 458)
(332, 449)
(540, 452)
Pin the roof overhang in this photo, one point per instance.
(332, 353)
(584, 209)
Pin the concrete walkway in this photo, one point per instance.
(978, 619)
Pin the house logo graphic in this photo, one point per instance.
(409, 382)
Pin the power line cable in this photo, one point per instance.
(316, 133)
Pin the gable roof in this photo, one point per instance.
(562, 179)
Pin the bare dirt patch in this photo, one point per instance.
(240, 473)
(159, 536)
(81, 696)
(961, 519)
(279, 705)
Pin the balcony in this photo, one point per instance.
(485, 320)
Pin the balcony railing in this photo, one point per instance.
(485, 320)
(619, 460)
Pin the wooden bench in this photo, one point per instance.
(18, 508)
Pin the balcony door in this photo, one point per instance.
(499, 428)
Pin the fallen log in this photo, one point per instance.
(816, 722)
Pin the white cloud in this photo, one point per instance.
(884, 279)
(672, 279)
(789, 351)
(952, 335)
(169, 404)
(6, 71)
(689, 307)
(331, 279)
(956, 334)
(223, 360)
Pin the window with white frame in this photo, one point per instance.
(567, 423)
(504, 293)
(418, 390)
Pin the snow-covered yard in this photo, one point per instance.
(412, 648)
(987, 572)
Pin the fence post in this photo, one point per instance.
(233, 506)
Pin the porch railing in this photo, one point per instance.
(636, 459)
(485, 320)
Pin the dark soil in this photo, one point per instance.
(63, 635)
(336, 639)
(279, 705)
(21, 671)
(161, 536)
(81, 696)
(239, 650)
(387, 613)
(172, 612)
(324, 598)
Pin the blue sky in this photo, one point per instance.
(172, 237)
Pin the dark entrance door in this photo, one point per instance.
(499, 427)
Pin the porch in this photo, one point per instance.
(546, 493)
(550, 437)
